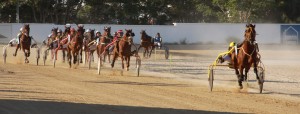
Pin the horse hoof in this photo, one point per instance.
(14, 55)
(241, 87)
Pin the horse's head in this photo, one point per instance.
(80, 30)
(107, 30)
(129, 35)
(250, 33)
(92, 33)
(67, 29)
(143, 34)
(26, 29)
(54, 30)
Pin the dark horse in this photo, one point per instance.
(50, 40)
(146, 42)
(25, 42)
(75, 46)
(247, 55)
(124, 49)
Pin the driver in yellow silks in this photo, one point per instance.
(227, 55)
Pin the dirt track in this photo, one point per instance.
(177, 86)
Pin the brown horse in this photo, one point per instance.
(124, 49)
(147, 43)
(75, 46)
(247, 55)
(25, 42)
(104, 40)
(88, 37)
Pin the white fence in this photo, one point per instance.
(193, 32)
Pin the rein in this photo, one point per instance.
(247, 53)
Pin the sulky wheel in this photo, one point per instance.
(138, 67)
(211, 78)
(167, 52)
(261, 80)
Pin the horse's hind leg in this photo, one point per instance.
(64, 54)
(114, 59)
(18, 46)
(151, 51)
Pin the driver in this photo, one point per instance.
(158, 40)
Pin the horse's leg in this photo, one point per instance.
(151, 51)
(255, 69)
(108, 57)
(92, 54)
(80, 55)
(18, 46)
(241, 77)
(128, 62)
(74, 57)
(64, 54)
(69, 57)
(122, 58)
(56, 50)
(114, 59)
(246, 73)
(145, 50)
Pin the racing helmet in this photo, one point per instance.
(87, 30)
(232, 44)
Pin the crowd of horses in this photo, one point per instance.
(76, 41)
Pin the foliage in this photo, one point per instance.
(150, 11)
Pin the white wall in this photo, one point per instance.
(194, 32)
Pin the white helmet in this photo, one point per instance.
(97, 31)
(68, 25)
(87, 30)
(21, 29)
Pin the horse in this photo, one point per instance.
(75, 46)
(88, 37)
(147, 43)
(247, 56)
(50, 40)
(102, 47)
(64, 41)
(123, 50)
(25, 42)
